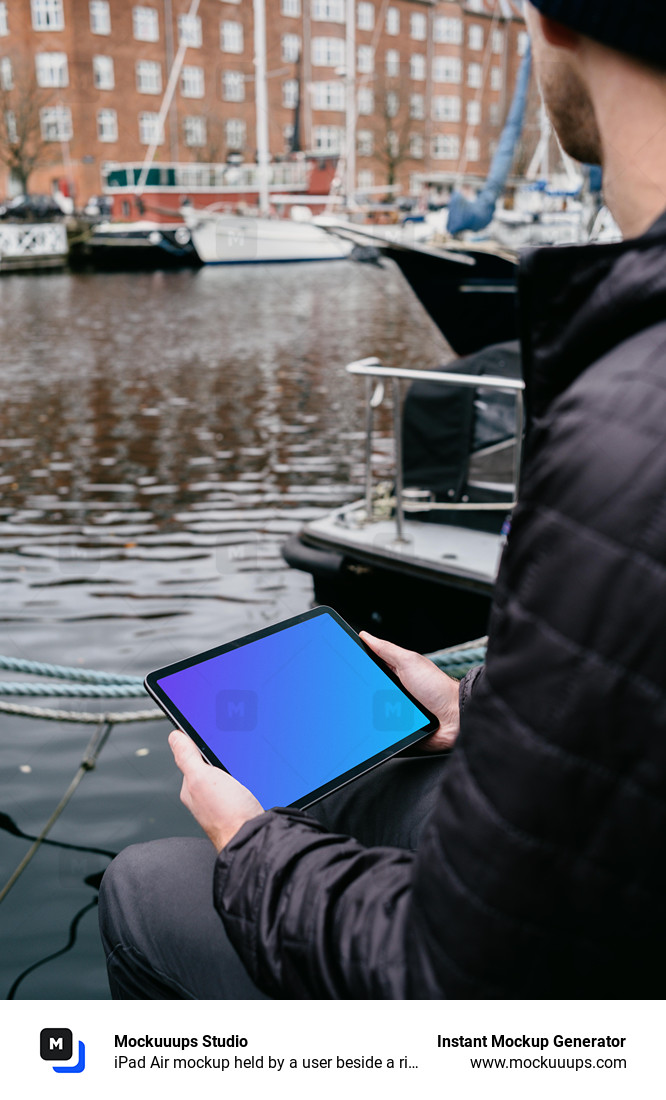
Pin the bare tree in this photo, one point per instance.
(22, 146)
(395, 127)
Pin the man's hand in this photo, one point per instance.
(217, 800)
(427, 683)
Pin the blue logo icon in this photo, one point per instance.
(56, 1045)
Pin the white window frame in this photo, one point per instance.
(145, 24)
(392, 62)
(416, 146)
(445, 147)
(365, 101)
(290, 8)
(328, 11)
(475, 36)
(474, 113)
(51, 70)
(328, 52)
(233, 86)
(498, 40)
(192, 82)
(189, 31)
(472, 149)
(6, 74)
(328, 140)
(289, 94)
(194, 131)
(448, 29)
(522, 41)
(446, 70)
(104, 75)
(148, 77)
(365, 143)
(100, 16)
(418, 26)
(4, 22)
(392, 104)
(328, 95)
(446, 108)
(365, 15)
(474, 74)
(47, 15)
(290, 45)
(231, 36)
(11, 127)
(148, 131)
(235, 132)
(496, 79)
(365, 59)
(393, 21)
(417, 66)
(56, 123)
(417, 106)
(107, 124)
(365, 179)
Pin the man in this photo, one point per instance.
(532, 861)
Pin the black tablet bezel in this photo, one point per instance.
(159, 695)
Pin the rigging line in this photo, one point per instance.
(73, 931)
(9, 825)
(95, 746)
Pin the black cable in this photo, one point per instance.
(73, 929)
(9, 825)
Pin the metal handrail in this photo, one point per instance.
(374, 368)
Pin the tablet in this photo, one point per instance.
(293, 711)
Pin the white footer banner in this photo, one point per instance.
(511, 1049)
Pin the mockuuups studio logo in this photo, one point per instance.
(236, 710)
(56, 1045)
(391, 711)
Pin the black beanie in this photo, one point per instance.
(637, 27)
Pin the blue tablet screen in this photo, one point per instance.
(294, 710)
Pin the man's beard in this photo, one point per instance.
(571, 111)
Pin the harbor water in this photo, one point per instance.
(161, 435)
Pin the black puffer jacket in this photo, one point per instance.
(542, 872)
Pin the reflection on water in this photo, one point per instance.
(160, 437)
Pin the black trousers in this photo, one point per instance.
(162, 935)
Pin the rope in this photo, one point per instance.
(64, 672)
(73, 691)
(85, 716)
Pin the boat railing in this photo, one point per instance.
(373, 370)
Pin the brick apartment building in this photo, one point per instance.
(85, 80)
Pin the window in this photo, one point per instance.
(447, 70)
(392, 21)
(328, 139)
(473, 148)
(328, 51)
(365, 61)
(329, 11)
(107, 125)
(235, 134)
(475, 36)
(145, 24)
(10, 123)
(194, 130)
(149, 129)
(149, 77)
(475, 5)
(51, 70)
(393, 144)
(495, 114)
(392, 104)
(496, 78)
(6, 74)
(392, 63)
(417, 105)
(445, 147)
(366, 180)
(288, 136)
(231, 37)
(56, 123)
(498, 41)
(233, 87)
(365, 16)
(291, 8)
(416, 145)
(446, 108)
(189, 30)
(4, 26)
(47, 15)
(474, 75)
(366, 101)
(448, 29)
(365, 143)
(523, 39)
(103, 74)
(289, 94)
(417, 25)
(291, 47)
(100, 17)
(474, 113)
(328, 95)
(417, 66)
(192, 82)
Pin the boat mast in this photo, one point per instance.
(261, 102)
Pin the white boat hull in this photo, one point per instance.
(241, 239)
